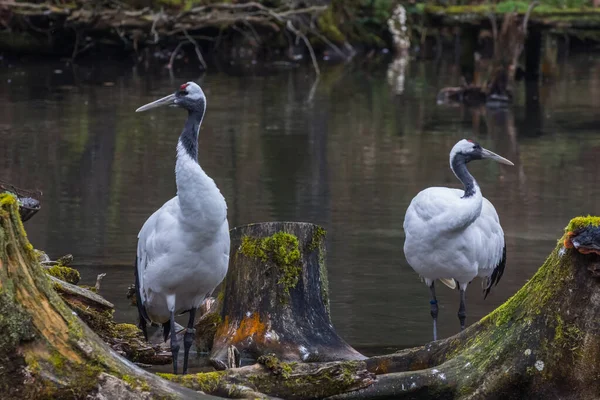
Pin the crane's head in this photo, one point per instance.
(467, 150)
(189, 96)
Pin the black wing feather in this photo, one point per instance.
(496, 274)
(143, 316)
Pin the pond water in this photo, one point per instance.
(348, 153)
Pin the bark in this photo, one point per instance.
(293, 381)
(275, 297)
(46, 351)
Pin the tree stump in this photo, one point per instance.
(275, 297)
(46, 351)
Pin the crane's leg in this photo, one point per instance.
(174, 343)
(434, 309)
(188, 339)
(462, 313)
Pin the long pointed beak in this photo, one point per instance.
(485, 153)
(165, 101)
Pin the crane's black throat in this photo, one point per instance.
(189, 136)
(459, 166)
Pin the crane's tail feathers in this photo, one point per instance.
(142, 315)
(166, 330)
(496, 275)
(451, 283)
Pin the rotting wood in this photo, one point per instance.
(275, 297)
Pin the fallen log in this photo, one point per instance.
(275, 297)
(270, 377)
(46, 351)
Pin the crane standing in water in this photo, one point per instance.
(455, 235)
(183, 248)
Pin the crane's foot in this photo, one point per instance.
(434, 310)
(462, 313)
(174, 343)
(188, 340)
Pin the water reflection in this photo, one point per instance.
(350, 159)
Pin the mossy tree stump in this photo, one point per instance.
(46, 351)
(275, 299)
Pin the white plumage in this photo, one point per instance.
(183, 248)
(454, 234)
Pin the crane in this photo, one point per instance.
(454, 235)
(183, 248)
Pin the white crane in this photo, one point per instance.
(455, 235)
(183, 248)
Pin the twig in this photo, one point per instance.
(301, 35)
(75, 46)
(249, 25)
(313, 90)
(528, 13)
(196, 48)
(245, 34)
(172, 59)
(329, 43)
(153, 28)
(99, 281)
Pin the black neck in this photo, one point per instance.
(189, 136)
(459, 166)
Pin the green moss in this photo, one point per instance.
(57, 360)
(318, 236)
(207, 382)
(281, 249)
(127, 331)
(15, 323)
(546, 8)
(135, 383)
(66, 274)
(552, 275)
(100, 321)
(329, 28)
(275, 366)
(582, 222)
(317, 244)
